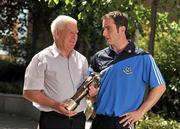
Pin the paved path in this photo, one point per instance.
(12, 121)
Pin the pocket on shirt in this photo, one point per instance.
(50, 75)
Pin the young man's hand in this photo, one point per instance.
(92, 90)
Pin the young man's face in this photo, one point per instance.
(110, 32)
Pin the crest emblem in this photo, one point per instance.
(128, 70)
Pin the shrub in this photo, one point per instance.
(10, 72)
(154, 121)
(11, 88)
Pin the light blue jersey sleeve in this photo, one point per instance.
(152, 74)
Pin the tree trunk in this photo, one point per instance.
(154, 6)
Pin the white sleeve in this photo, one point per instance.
(34, 75)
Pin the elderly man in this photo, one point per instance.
(54, 75)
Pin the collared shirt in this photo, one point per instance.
(57, 76)
(124, 79)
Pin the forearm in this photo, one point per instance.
(40, 98)
(152, 99)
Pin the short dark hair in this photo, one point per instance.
(120, 19)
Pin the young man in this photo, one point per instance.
(127, 70)
(54, 75)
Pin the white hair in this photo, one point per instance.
(60, 22)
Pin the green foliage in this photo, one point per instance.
(11, 77)
(13, 28)
(167, 56)
(10, 72)
(11, 88)
(153, 121)
(89, 13)
(90, 38)
(167, 51)
(15, 49)
(171, 6)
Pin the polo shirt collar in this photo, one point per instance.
(110, 51)
(56, 52)
(130, 48)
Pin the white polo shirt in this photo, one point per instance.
(57, 76)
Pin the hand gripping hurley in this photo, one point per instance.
(82, 91)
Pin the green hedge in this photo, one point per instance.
(11, 72)
(11, 87)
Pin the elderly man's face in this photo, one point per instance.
(68, 36)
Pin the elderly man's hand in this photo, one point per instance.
(61, 107)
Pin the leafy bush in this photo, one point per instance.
(11, 72)
(11, 77)
(166, 54)
(11, 88)
(167, 57)
(154, 121)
